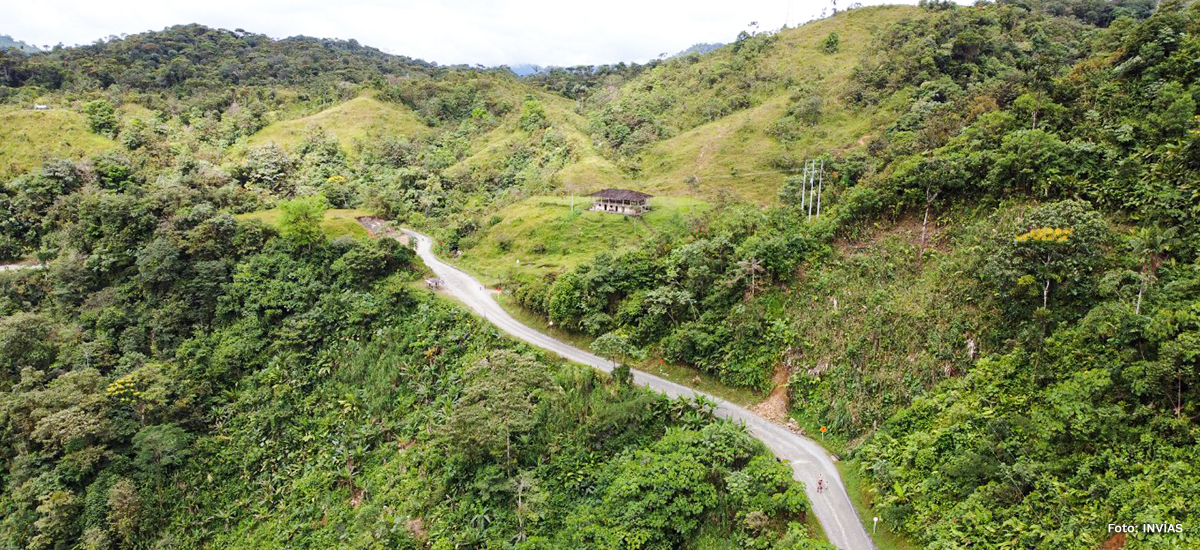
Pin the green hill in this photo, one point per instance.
(28, 138)
(742, 117)
(360, 119)
(576, 168)
(196, 59)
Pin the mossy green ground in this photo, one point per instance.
(28, 138)
(546, 234)
(337, 222)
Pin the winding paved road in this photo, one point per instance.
(809, 461)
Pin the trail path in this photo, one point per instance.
(809, 461)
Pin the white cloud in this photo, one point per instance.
(446, 31)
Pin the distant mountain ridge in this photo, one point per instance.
(700, 48)
(529, 69)
(7, 41)
(525, 69)
(193, 57)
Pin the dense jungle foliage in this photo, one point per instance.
(996, 313)
(177, 379)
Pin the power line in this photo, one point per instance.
(740, 175)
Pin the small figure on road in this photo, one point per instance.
(820, 484)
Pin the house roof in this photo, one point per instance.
(621, 195)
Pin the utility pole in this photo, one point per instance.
(812, 185)
(811, 177)
(821, 180)
(804, 187)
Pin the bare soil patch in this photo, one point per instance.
(775, 406)
(378, 227)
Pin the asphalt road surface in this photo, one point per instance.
(809, 461)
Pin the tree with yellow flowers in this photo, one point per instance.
(1051, 253)
(1047, 241)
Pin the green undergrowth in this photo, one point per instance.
(337, 222)
(528, 318)
(398, 419)
(885, 318)
(699, 380)
(680, 374)
(862, 495)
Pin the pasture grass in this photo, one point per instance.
(337, 222)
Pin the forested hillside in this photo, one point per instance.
(995, 314)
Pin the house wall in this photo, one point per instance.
(617, 208)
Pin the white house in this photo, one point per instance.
(620, 201)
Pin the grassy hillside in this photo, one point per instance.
(29, 138)
(568, 162)
(729, 118)
(546, 235)
(337, 222)
(358, 119)
(588, 170)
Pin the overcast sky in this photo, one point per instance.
(504, 32)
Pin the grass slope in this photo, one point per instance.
(360, 118)
(589, 171)
(29, 138)
(337, 222)
(586, 171)
(546, 236)
(742, 141)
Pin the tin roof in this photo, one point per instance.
(620, 195)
